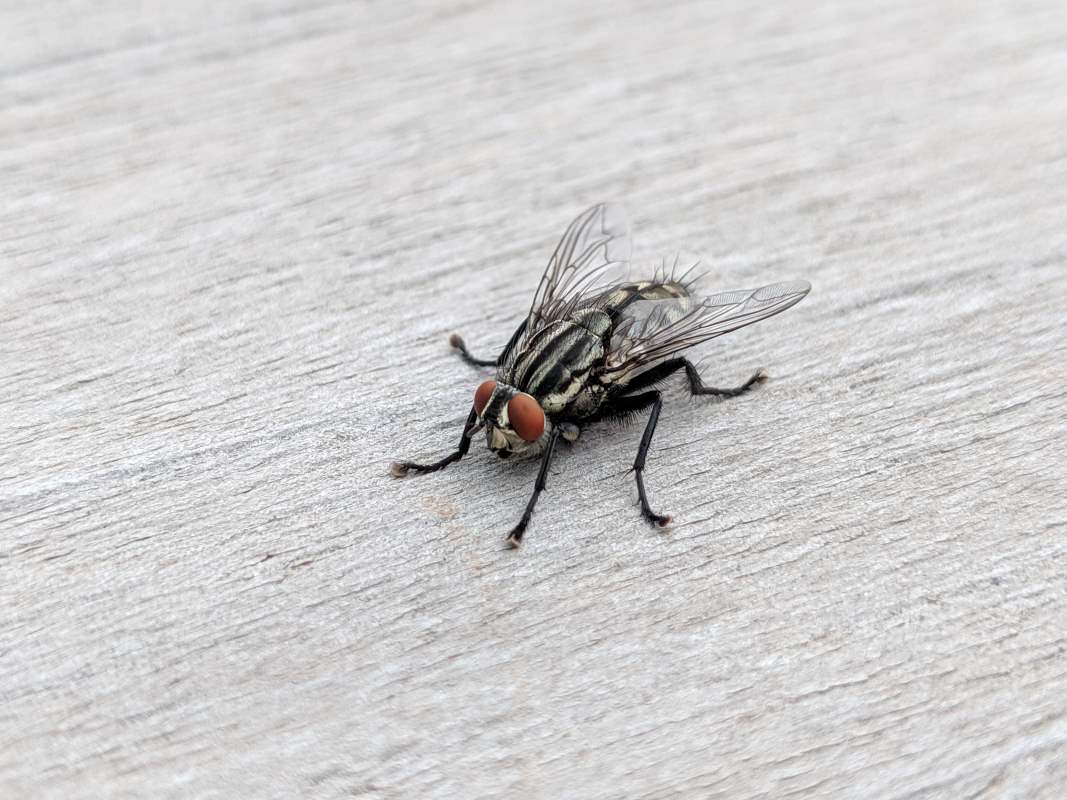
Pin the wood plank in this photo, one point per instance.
(234, 242)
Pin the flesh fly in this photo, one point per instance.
(594, 346)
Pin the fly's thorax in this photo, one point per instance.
(555, 365)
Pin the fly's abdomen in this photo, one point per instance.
(639, 313)
(555, 365)
(622, 297)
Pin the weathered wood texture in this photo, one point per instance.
(234, 239)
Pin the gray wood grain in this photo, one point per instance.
(234, 241)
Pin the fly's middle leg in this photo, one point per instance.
(399, 469)
(639, 462)
(457, 342)
(622, 407)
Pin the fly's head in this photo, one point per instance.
(514, 421)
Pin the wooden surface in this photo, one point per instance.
(234, 240)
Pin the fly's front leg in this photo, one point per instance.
(457, 342)
(515, 537)
(399, 469)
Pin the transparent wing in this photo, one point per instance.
(657, 329)
(593, 249)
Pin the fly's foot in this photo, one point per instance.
(457, 342)
(515, 537)
(401, 469)
(760, 376)
(659, 520)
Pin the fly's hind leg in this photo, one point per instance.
(457, 342)
(696, 385)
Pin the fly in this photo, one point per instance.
(591, 349)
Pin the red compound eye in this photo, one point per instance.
(526, 417)
(482, 395)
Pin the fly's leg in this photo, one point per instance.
(399, 469)
(639, 462)
(626, 407)
(696, 385)
(515, 537)
(457, 342)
